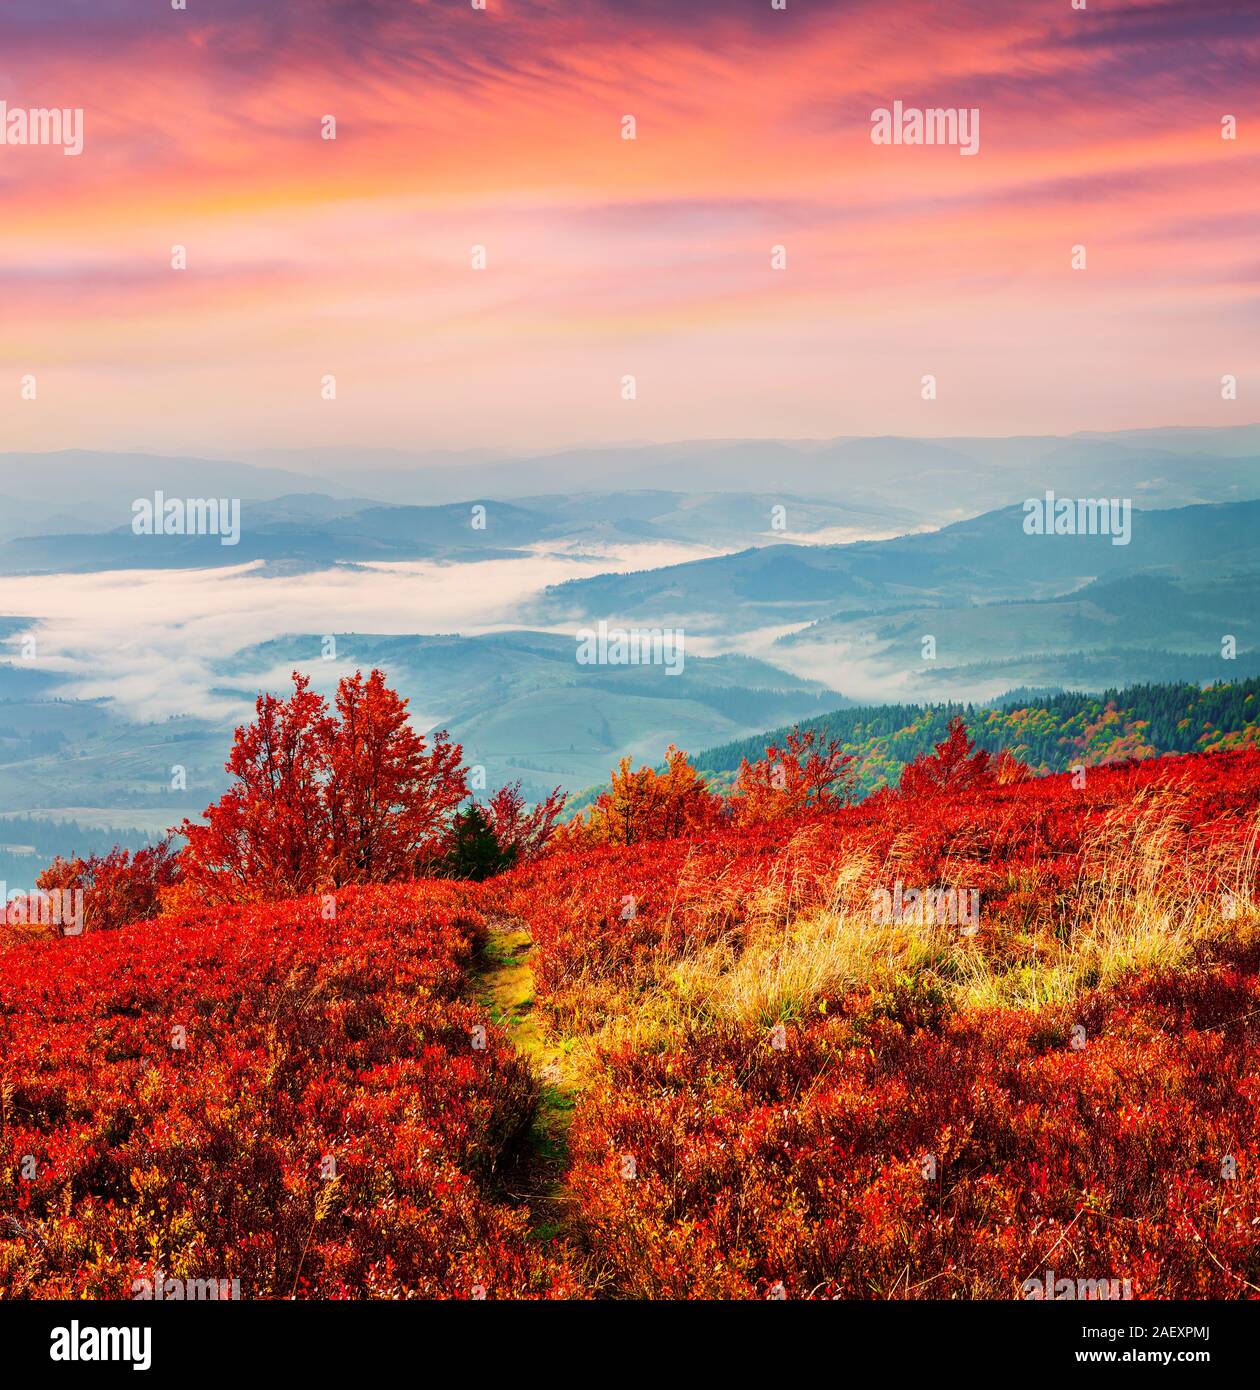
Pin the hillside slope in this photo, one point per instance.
(1050, 733)
(978, 561)
(926, 1046)
(298, 1098)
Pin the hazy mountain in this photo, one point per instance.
(981, 560)
(78, 490)
(524, 708)
(307, 535)
(914, 480)
(933, 479)
(314, 530)
(1139, 627)
(717, 518)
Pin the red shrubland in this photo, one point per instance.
(878, 1134)
(118, 887)
(809, 1094)
(302, 1099)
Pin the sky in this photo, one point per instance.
(608, 258)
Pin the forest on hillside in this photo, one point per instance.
(1050, 732)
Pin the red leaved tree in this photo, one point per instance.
(522, 834)
(644, 804)
(389, 800)
(267, 836)
(321, 800)
(806, 775)
(956, 765)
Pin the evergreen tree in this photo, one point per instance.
(474, 850)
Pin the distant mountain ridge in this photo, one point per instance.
(926, 480)
(980, 560)
(938, 478)
(316, 531)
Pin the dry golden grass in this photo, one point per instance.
(1132, 912)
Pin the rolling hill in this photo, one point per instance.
(524, 708)
(1050, 732)
(316, 531)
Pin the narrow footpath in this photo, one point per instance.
(505, 987)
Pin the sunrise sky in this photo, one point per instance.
(606, 257)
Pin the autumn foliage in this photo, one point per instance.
(646, 804)
(118, 887)
(782, 1093)
(323, 799)
(304, 1100)
(840, 1121)
(956, 765)
(804, 776)
(897, 1150)
(521, 831)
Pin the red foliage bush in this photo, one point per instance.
(805, 775)
(118, 887)
(1030, 847)
(891, 1153)
(324, 801)
(327, 1124)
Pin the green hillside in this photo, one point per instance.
(1049, 732)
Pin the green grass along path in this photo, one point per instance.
(535, 1175)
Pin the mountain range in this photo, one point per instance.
(821, 571)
